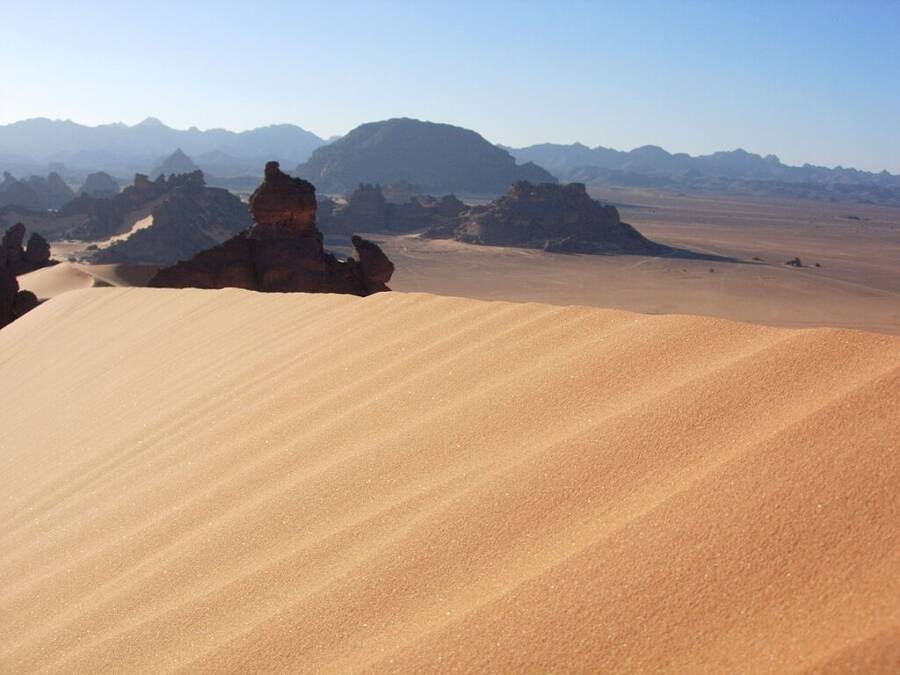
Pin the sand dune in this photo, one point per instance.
(207, 481)
(49, 282)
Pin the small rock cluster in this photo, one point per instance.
(16, 259)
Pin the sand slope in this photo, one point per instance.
(222, 481)
(49, 282)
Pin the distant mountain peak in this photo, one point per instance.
(441, 158)
(150, 122)
(177, 163)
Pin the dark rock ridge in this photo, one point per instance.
(21, 259)
(101, 218)
(175, 164)
(439, 158)
(14, 260)
(192, 218)
(99, 185)
(560, 218)
(548, 216)
(35, 193)
(283, 251)
(367, 210)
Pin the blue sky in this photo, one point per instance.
(814, 82)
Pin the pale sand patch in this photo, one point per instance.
(141, 224)
(49, 282)
(226, 481)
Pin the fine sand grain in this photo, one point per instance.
(225, 481)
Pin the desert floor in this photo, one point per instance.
(856, 286)
(226, 481)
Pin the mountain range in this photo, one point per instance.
(436, 158)
(40, 144)
(569, 162)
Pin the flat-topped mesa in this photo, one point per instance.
(283, 206)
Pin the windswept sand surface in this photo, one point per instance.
(223, 481)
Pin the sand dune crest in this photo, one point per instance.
(231, 481)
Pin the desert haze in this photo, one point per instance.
(228, 481)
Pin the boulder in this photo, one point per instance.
(25, 301)
(37, 252)
(377, 269)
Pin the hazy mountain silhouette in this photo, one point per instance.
(124, 149)
(176, 163)
(35, 193)
(569, 161)
(440, 158)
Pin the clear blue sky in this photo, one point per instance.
(808, 81)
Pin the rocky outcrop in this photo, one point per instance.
(283, 251)
(192, 218)
(367, 210)
(21, 259)
(283, 205)
(99, 185)
(37, 253)
(549, 216)
(102, 218)
(439, 158)
(15, 260)
(53, 190)
(35, 193)
(9, 289)
(401, 192)
(560, 218)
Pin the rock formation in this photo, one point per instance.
(367, 210)
(99, 185)
(35, 193)
(560, 218)
(102, 218)
(283, 251)
(440, 158)
(191, 218)
(52, 190)
(19, 193)
(15, 260)
(401, 192)
(23, 259)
